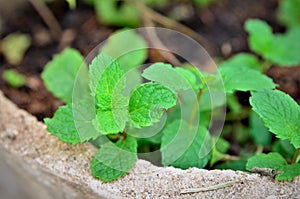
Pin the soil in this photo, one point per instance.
(220, 23)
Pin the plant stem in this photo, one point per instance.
(227, 157)
(195, 107)
(48, 18)
(296, 156)
(169, 23)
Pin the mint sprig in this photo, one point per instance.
(280, 113)
(105, 112)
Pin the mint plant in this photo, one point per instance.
(113, 110)
(281, 114)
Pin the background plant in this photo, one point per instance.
(242, 73)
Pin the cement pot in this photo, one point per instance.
(48, 168)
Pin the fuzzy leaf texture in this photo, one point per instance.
(106, 85)
(244, 79)
(114, 160)
(281, 49)
(147, 101)
(271, 160)
(62, 125)
(194, 147)
(60, 73)
(280, 113)
(288, 172)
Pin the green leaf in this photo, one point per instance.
(260, 36)
(73, 123)
(280, 113)
(108, 124)
(221, 145)
(258, 131)
(244, 79)
(72, 4)
(14, 47)
(271, 160)
(192, 75)
(288, 172)
(203, 3)
(112, 161)
(60, 73)
(285, 148)
(97, 68)
(242, 60)
(108, 12)
(62, 125)
(157, 72)
(14, 78)
(236, 165)
(279, 49)
(147, 101)
(192, 147)
(127, 47)
(110, 83)
(107, 84)
(220, 148)
(289, 12)
(233, 103)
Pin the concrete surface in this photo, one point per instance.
(48, 168)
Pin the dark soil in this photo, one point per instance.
(221, 24)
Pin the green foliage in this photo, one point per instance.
(62, 125)
(242, 60)
(60, 73)
(157, 72)
(204, 3)
(289, 172)
(284, 147)
(114, 160)
(258, 130)
(72, 4)
(14, 78)
(279, 49)
(244, 79)
(192, 145)
(107, 86)
(289, 12)
(127, 47)
(271, 160)
(236, 165)
(122, 112)
(14, 47)
(219, 150)
(76, 121)
(117, 13)
(280, 113)
(147, 101)
(276, 162)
